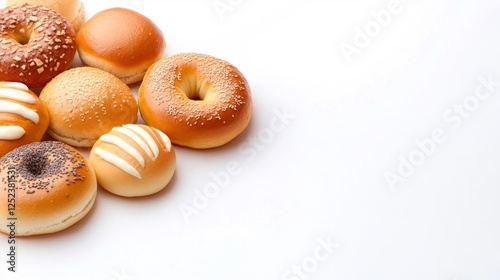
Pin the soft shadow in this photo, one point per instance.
(231, 147)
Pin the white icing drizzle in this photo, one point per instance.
(11, 132)
(17, 92)
(18, 95)
(117, 141)
(136, 139)
(147, 137)
(165, 139)
(117, 161)
(15, 108)
(16, 85)
(140, 135)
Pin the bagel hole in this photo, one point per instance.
(22, 37)
(22, 40)
(193, 95)
(192, 90)
(35, 164)
(194, 86)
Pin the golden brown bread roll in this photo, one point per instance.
(84, 103)
(122, 42)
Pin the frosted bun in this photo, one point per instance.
(23, 116)
(133, 160)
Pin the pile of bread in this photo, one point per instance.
(187, 99)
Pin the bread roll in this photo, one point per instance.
(84, 103)
(122, 42)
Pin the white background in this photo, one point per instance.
(321, 175)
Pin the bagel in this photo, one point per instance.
(198, 100)
(47, 187)
(36, 44)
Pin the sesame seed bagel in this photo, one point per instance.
(46, 187)
(85, 103)
(36, 44)
(198, 100)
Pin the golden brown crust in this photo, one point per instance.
(9, 96)
(54, 184)
(147, 166)
(84, 103)
(199, 101)
(36, 44)
(72, 10)
(122, 42)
